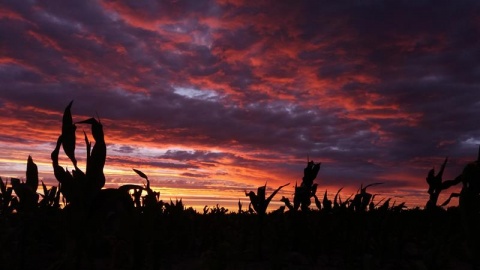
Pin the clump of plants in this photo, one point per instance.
(306, 190)
(362, 199)
(258, 201)
(469, 196)
(436, 185)
(84, 190)
(27, 197)
(6, 198)
(80, 188)
(50, 197)
(151, 201)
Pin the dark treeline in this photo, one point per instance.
(79, 224)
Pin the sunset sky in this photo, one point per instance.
(211, 98)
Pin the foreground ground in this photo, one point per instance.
(413, 239)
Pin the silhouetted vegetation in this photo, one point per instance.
(79, 224)
(258, 201)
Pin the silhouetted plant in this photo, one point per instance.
(436, 185)
(258, 201)
(398, 208)
(68, 134)
(327, 204)
(240, 211)
(287, 203)
(27, 192)
(50, 197)
(307, 188)
(174, 208)
(469, 204)
(385, 206)
(469, 196)
(362, 199)
(84, 190)
(337, 201)
(77, 187)
(217, 210)
(152, 199)
(5, 197)
(372, 205)
(347, 203)
(97, 156)
(71, 184)
(470, 193)
(318, 204)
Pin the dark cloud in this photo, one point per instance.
(124, 149)
(143, 162)
(203, 156)
(195, 175)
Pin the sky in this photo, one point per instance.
(212, 98)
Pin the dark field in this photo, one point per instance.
(182, 239)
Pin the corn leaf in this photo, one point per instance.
(32, 174)
(141, 174)
(68, 134)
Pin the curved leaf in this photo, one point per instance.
(140, 173)
(68, 134)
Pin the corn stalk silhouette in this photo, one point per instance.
(85, 189)
(362, 199)
(77, 187)
(436, 185)
(6, 198)
(469, 196)
(26, 192)
(259, 202)
(216, 210)
(306, 190)
(327, 204)
(91, 207)
(50, 197)
(151, 200)
(26, 196)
